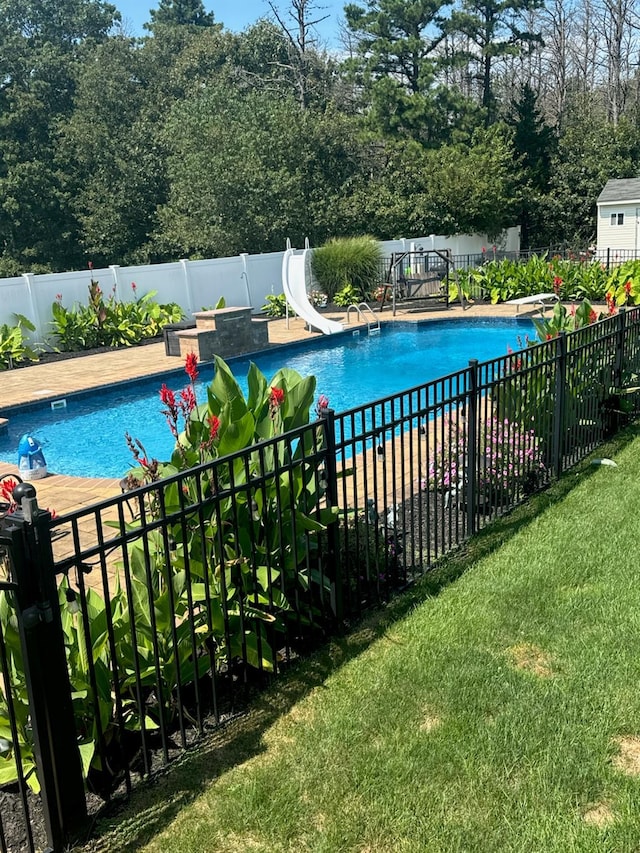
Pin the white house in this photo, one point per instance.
(619, 216)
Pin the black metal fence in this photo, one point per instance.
(174, 598)
(421, 262)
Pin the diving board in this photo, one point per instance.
(542, 300)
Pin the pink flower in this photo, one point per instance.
(134, 286)
(58, 297)
(191, 366)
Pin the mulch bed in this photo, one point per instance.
(51, 357)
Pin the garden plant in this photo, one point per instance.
(197, 606)
(352, 262)
(110, 322)
(14, 348)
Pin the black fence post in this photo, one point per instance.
(620, 339)
(559, 404)
(59, 767)
(472, 448)
(608, 258)
(333, 543)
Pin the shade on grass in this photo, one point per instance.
(499, 715)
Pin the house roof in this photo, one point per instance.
(623, 189)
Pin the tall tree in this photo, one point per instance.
(397, 65)
(591, 151)
(534, 144)
(249, 170)
(298, 28)
(42, 43)
(495, 29)
(175, 13)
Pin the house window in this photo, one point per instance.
(617, 218)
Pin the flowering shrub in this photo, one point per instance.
(571, 278)
(252, 524)
(110, 322)
(509, 458)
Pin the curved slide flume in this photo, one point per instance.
(294, 285)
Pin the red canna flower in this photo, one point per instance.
(213, 423)
(187, 401)
(627, 287)
(611, 303)
(191, 366)
(6, 489)
(276, 398)
(593, 317)
(557, 284)
(134, 286)
(167, 396)
(171, 412)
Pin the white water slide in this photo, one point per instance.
(294, 284)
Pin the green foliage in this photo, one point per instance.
(590, 152)
(276, 305)
(285, 170)
(570, 278)
(13, 346)
(348, 295)
(110, 322)
(349, 262)
(219, 594)
(175, 13)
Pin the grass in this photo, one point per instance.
(497, 713)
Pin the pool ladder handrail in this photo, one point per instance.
(358, 308)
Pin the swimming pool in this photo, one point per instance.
(86, 439)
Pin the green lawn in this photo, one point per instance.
(500, 712)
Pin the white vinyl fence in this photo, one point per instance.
(245, 280)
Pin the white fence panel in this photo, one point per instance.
(14, 299)
(214, 278)
(264, 273)
(166, 279)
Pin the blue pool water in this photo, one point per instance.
(86, 439)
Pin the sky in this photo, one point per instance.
(238, 14)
